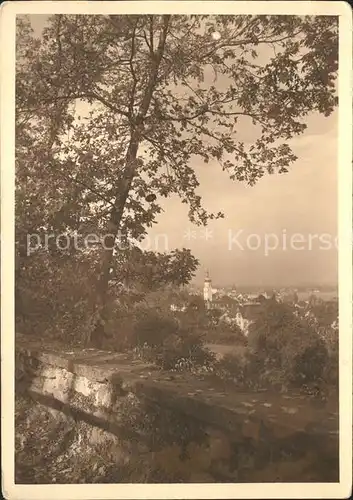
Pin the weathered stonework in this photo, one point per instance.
(186, 427)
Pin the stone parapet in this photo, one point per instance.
(241, 436)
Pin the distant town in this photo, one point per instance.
(283, 293)
(240, 305)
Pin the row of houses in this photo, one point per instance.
(242, 309)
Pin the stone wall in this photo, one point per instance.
(189, 427)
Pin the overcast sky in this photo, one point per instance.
(301, 202)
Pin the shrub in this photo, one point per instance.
(307, 365)
(183, 353)
(232, 367)
(153, 329)
(162, 339)
(288, 351)
(326, 312)
(55, 297)
(330, 338)
(224, 333)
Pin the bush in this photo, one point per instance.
(225, 333)
(287, 350)
(152, 329)
(232, 367)
(183, 353)
(307, 366)
(330, 338)
(55, 297)
(165, 341)
(326, 312)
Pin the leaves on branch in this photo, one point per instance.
(113, 112)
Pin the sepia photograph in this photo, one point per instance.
(176, 249)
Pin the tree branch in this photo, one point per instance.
(151, 33)
(82, 95)
(75, 180)
(248, 41)
(157, 57)
(132, 70)
(148, 42)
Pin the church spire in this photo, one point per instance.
(207, 290)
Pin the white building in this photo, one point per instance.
(207, 290)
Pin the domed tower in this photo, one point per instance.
(207, 290)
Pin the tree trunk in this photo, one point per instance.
(98, 334)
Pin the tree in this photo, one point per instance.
(153, 270)
(156, 92)
(286, 345)
(227, 303)
(326, 312)
(197, 303)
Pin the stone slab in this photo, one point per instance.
(227, 408)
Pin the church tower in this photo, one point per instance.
(207, 290)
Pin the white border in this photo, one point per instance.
(164, 491)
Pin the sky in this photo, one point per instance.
(279, 232)
(302, 201)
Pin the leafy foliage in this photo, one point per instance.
(287, 345)
(325, 311)
(151, 271)
(172, 341)
(187, 116)
(153, 330)
(112, 112)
